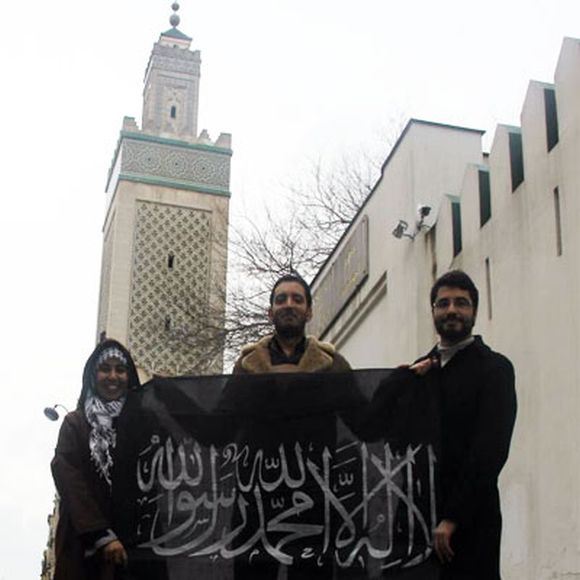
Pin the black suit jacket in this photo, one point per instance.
(477, 409)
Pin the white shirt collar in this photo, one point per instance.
(448, 352)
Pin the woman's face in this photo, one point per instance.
(112, 379)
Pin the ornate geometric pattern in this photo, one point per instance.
(170, 63)
(176, 163)
(169, 284)
(164, 58)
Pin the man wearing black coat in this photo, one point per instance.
(477, 401)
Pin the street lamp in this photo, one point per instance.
(51, 412)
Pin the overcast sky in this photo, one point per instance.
(292, 80)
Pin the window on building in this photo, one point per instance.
(456, 223)
(488, 288)
(516, 159)
(431, 238)
(552, 135)
(173, 111)
(558, 216)
(484, 197)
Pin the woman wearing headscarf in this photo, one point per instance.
(87, 547)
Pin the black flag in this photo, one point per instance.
(293, 475)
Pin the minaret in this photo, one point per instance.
(165, 232)
(171, 91)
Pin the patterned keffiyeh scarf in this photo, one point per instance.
(103, 438)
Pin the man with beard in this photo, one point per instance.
(288, 349)
(477, 402)
(287, 411)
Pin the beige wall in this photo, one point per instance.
(115, 310)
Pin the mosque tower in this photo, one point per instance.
(164, 259)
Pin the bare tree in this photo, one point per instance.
(327, 201)
(297, 237)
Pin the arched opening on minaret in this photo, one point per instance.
(170, 261)
(173, 112)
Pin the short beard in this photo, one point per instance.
(285, 331)
(454, 336)
(292, 330)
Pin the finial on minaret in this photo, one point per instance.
(174, 19)
(174, 37)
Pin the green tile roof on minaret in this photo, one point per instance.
(174, 33)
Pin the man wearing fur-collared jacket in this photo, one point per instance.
(288, 349)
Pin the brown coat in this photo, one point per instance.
(85, 503)
(318, 357)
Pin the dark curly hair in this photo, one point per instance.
(456, 279)
(292, 277)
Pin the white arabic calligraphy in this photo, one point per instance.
(313, 505)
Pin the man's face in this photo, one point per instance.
(453, 314)
(112, 379)
(289, 311)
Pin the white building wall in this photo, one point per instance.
(533, 292)
(427, 163)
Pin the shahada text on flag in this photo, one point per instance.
(292, 475)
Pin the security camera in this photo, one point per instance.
(401, 230)
(423, 211)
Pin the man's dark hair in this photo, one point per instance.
(292, 277)
(456, 279)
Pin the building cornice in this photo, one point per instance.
(175, 143)
(173, 183)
